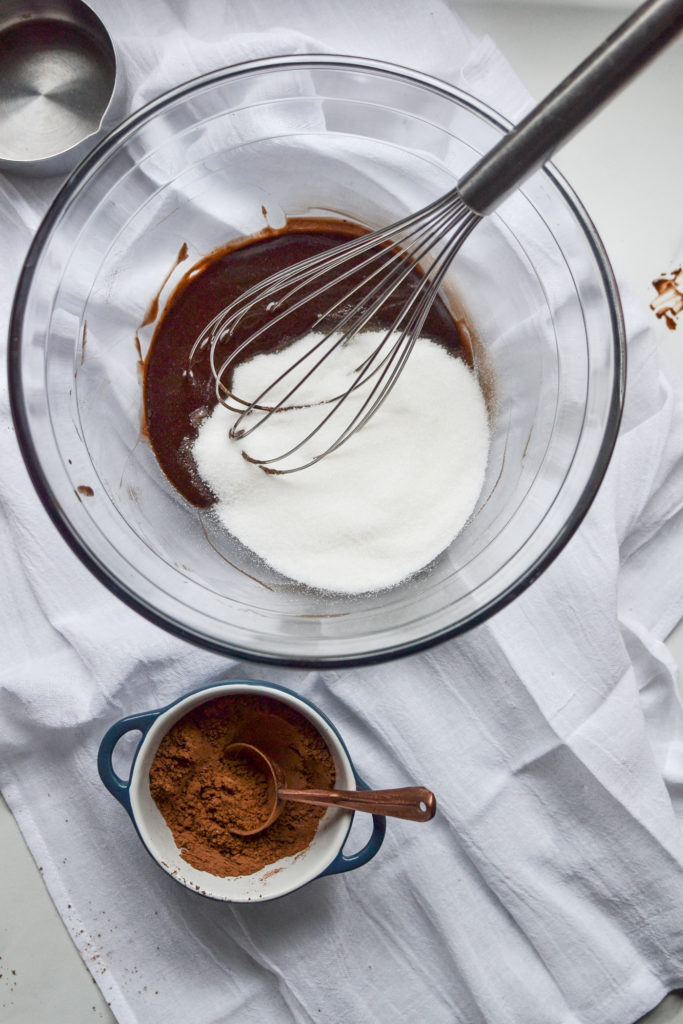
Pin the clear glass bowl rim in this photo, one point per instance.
(21, 418)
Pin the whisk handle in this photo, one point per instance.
(580, 95)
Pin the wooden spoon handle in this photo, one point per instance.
(412, 802)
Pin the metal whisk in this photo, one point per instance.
(378, 263)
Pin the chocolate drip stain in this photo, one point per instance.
(153, 308)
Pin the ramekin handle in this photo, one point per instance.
(117, 786)
(342, 862)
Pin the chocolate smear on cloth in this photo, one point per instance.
(203, 792)
(669, 301)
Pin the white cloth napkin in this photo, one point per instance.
(550, 886)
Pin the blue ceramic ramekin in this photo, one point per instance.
(325, 854)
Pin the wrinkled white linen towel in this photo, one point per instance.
(549, 889)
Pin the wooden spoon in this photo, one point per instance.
(414, 803)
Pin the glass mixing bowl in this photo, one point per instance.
(216, 159)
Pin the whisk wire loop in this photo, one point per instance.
(405, 335)
(396, 267)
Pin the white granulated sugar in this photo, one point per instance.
(382, 506)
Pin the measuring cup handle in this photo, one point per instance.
(117, 786)
(356, 860)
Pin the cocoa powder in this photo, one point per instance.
(202, 792)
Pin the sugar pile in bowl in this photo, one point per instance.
(379, 508)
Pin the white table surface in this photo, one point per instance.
(627, 167)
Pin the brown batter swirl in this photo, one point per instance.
(177, 396)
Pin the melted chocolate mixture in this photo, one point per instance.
(177, 396)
